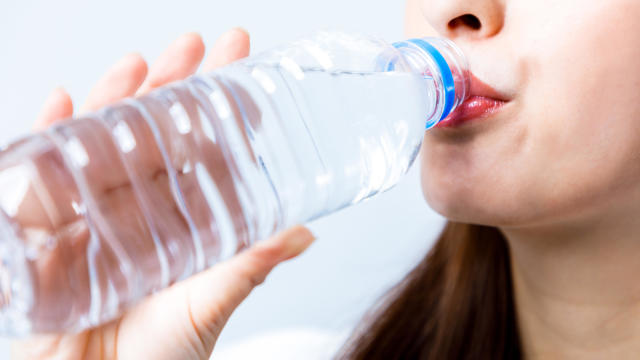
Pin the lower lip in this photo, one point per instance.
(474, 108)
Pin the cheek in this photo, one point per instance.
(583, 113)
(571, 144)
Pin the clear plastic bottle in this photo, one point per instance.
(101, 210)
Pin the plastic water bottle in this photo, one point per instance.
(101, 210)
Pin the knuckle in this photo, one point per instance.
(253, 273)
(256, 279)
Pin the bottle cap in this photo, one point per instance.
(439, 60)
(443, 68)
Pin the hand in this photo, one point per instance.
(184, 320)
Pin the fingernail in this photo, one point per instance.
(50, 101)
(228, 37)
(241, 29)
(300, 241)
(54, 98)
(189, 36)
(56, 106)
(54, 95)
(192, 40)
(130, 59)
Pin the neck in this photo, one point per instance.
(576, 287)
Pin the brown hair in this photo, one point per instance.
(456, 304)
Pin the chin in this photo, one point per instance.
(459, 202)
(452, 207)
(460, 184)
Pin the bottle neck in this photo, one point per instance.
(441, 63)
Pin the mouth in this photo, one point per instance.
(482, 102)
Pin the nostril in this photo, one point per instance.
(466, 20)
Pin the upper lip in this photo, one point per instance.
(480, 88)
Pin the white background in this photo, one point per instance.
(360, 251)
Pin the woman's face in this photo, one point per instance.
(566, 146)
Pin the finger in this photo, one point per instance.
(178, 61)
(231, 46)
(121, 80)
(196, 309)
(214, 294)
(58, 106)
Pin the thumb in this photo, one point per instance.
(215, 293)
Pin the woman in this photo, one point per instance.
(543, 195)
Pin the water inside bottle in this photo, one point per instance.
(340, 136)
(121, 203)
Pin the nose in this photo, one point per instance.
(470, 19)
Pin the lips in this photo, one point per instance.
(482, 102)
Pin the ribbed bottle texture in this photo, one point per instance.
(102, 210)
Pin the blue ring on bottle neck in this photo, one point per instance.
(443, 68)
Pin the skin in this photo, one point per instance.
(194, 310)
(556, 169)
